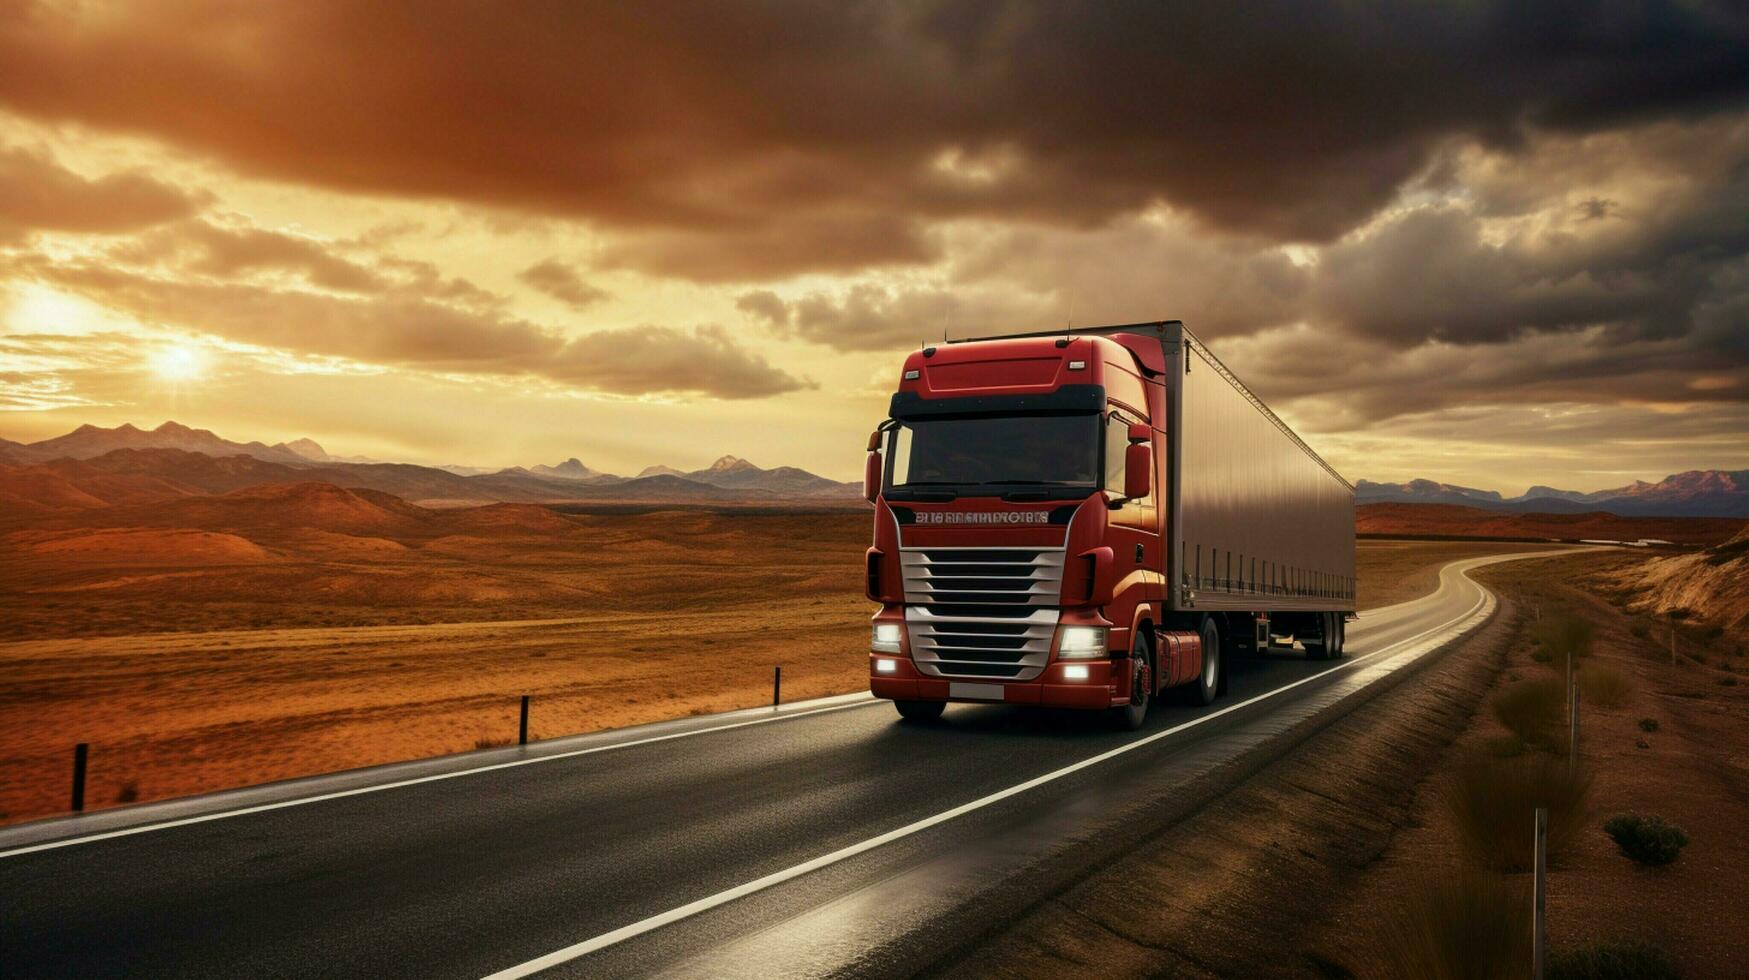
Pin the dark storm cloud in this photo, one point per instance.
(724, 133)
(38, 194)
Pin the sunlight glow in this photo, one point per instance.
(39, 309)
(179, 363)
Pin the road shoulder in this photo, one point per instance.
(1238, 886)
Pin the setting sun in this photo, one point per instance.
(179, 364)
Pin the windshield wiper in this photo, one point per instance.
(906, 491)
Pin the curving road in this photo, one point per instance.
(821, 838)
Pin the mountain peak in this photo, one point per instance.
(172, 428)
(570, 469)
(729, 464)
(307, 448)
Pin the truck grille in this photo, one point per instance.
(981, 612)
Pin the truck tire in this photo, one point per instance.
(1132, 716)
(1340, 621)
(920, 711)
(1328, 644)
(1209, 683)
(1318, 647)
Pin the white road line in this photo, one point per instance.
(379, 787)
(659, 920)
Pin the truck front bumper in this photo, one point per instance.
(1050, 689)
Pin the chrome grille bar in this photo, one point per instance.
(985, 613)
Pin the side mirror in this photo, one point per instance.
(871, 477)
(1141, 432)
(1138, 467)
(874, 441)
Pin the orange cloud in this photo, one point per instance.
(37, 194)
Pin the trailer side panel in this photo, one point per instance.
(1260, 522)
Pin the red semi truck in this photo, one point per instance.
(1086, 518)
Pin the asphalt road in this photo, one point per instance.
(824, 838)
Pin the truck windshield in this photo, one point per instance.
(1054, 455)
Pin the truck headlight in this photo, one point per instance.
(885, 639)
(1081, 643)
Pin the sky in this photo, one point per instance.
(1489, 243)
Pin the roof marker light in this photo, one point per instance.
(1077, 365)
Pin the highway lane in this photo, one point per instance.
(510, 868)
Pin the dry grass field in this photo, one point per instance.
(197, 651)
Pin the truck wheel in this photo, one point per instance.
(1319, 648)
(920, 710)
(1340, 631)
(1132, 716)
(1208, 684)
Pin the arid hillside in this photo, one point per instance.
(1453, 520)
(312, 554)
(1711, 586)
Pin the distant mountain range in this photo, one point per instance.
(1696, 493)
(93, 466)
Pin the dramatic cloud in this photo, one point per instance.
(207, 249)
(36, 193)
(1296, 120)
(403, 329)
(562, 283)
(1401, 221)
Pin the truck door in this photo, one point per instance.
(1132, 526)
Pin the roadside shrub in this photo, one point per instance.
(1640, 630)
(1532, 710)
(1506, 746)
(1712, 633)
(1541, 655)
(1564, 633)
(488, 742)
(128, 793)
(1647, 840)
(1610, 961)
(1493, 803)
(1727, 682)
(1472, 926)
(1604, 687)
(1648, 724)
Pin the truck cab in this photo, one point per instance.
(1024, 550)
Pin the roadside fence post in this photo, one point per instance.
(80, 752)
(1569, 687)
(1541, 889)
(522, 729)
(776, 685)
(1573, 730)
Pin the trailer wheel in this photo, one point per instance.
(1209, 683)
(1328, 645)
(1318, 648)
(921, 711)
(1132, 716)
